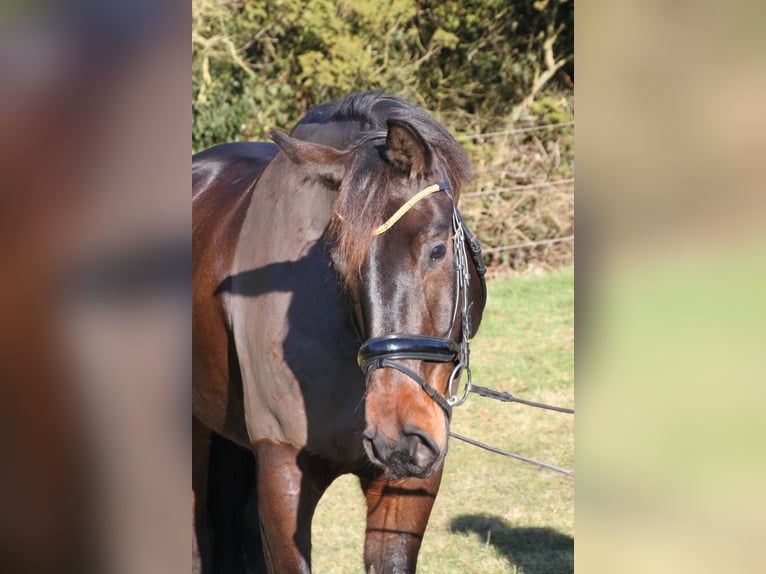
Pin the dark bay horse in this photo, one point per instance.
(338, 247)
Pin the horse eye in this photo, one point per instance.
(438, 252)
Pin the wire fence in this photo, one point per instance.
(515, 131)
(551, 188)
(532, 187)
(529, 244)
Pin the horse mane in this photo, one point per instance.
(363, 193)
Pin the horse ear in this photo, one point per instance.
(407, 149)
(315, 160)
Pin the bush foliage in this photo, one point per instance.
(261, 65)
(475, 64)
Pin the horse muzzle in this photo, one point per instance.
(414, 453)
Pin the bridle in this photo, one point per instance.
(384, 352)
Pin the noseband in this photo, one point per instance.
(384, 352)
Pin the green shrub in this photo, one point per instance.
(477, 65)
(261, 65)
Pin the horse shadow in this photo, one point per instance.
(531, 550)
(320, 344)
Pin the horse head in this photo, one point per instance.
(414, 278)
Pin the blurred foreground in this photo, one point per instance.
(94, 320)
(671, 274)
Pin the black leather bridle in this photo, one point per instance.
(384, 352)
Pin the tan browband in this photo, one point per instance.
(399, 213)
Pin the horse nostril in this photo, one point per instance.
(377, 448)
(421, 447)
(420, 454)
(369, 433)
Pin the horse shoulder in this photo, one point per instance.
(222, 181)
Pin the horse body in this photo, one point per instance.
(280, 275)
(276, 320)
(301, 349)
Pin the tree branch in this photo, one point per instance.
(542, 77)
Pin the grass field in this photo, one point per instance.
(493, 514)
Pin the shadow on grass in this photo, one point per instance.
(531, 550)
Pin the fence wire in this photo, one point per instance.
(521, 188)
(529, 244)
(514, 131)
(526, 188)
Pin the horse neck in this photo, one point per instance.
(288, 212)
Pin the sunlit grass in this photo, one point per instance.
(493, 514)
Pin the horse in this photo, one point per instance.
(336, 289)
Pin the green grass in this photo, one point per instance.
(493, 514)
